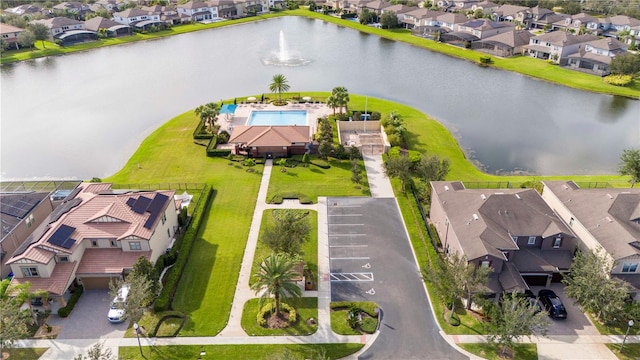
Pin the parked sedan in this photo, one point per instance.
(552, 304)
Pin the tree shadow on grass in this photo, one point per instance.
(317, 171)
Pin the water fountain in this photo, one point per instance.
(284, 56)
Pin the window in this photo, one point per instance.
(532, 240)
(169, 233)
(557, 242)
(62, 259)
(571, 221)
(94, 243)
(164, 218)
(135, 245)
(514, 238)
(485, 263)
(30, 271)
(114, 243)
(629, 267)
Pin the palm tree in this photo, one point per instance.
(341, 95)
(276, 278)
(331, 102)
(279, 84)
(208, 113)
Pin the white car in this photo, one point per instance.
(116, 311)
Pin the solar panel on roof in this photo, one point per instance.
(140, 206)
(18, 206)
(131, 201)
(68, 243)
(61, 235)
(155, 208)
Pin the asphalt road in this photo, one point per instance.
(371, 260)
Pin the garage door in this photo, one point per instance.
(90, 283)
(535, 280)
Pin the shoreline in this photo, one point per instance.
(524, 65)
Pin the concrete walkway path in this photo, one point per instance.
(379, 184)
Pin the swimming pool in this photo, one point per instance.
(278, 118)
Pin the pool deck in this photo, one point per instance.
(243, 111)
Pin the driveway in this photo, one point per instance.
(576, 323)
(88, 320)
(371, 260)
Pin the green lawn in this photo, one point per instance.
(490, 352)
(307, 308)
(26, 353)
(630, 351)
(309, 248)
(240, 352)
(207, 286)
(314, 181)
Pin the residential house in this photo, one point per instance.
(198, 11)
(595, 57)
(535, 15)
(557, 45)
(506, 44)
(582, 23)
(456, 5)
(59, 25)
(168, 14)
(24, 10)
(547, 21)
(226, 9)
(110, 5)
(373, 6)
(10, 35)
(248, 7)
(270, 141)
(606, 220)
(20, 214)
(451, 20)
(110, 27)
(75, 8)
(94, 238)
(511, 13)
(617, 25)
(486, 6)
(512, 231)
(411, 19)
(399, 9)
(484, 28)
(137, 17)
(426, 23)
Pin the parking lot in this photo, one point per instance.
(88, 320)
(371, 260)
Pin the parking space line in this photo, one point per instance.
(346, 206)
(348, 246)
(346, 215)
(339, 277)
(350, 234)
(347, 224)
(351, 258)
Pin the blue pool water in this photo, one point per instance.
(266, 117)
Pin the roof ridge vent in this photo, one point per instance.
(475, 216)
(483, 196)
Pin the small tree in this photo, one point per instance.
(287, 234)
(40, 32)
(399, 167)
(209, 114)
(325, 149)
(279, 84)
(26, 39)
(431, 168)
(138, 298)
(97, 352)
(630, 165)
(13, 322)
(389, 20)
(276, 278)
(341, 97)
(144, 268)
(306, 159)
(590, 285)
(356, 172)
(514, 319)
(354, 153)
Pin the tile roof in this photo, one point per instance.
(193, 5)
(98, 22)
(57, 22)
(131, 13)
(108, 261)
(55, 285)
(6, 29)
(512, 38)
(486, 24)
(84, 218)
(564, 39)
(269, 135)
(510, 10)
(606, 213)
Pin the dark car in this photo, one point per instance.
(552, 304)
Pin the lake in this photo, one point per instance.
(84, 114)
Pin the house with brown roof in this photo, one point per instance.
(557, 45)
(511, 13)
(25, 10)
(10, 35)
(605, 220)
(112, 28)
(596, 56)
(198, 11)
(20, 214)
(94, 237)
(134, 16)
(270, 141)
(513, 231)
(506, 44)
(227, 9)
(59, 25)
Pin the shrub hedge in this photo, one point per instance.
(278, 198)
(368, 307)
(63, 312)
(200, 132)
(618, 80)
(321, 164)
(163, 302)
(271, 307)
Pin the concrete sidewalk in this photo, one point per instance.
(379, 184)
